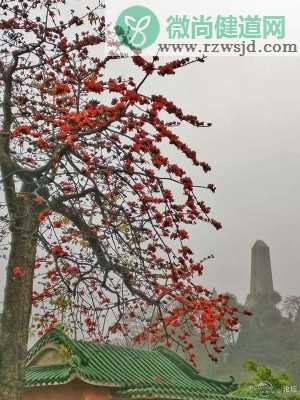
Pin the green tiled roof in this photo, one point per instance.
(48, 375)
(131, 373)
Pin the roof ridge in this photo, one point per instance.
(185, 367)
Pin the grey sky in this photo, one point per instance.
(254, 150)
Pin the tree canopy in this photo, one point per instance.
(96, 212)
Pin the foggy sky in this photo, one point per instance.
(254, 149)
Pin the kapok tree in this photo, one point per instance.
(93, 209)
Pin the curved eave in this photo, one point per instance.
(32, 382)
(136, 395)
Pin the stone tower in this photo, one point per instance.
(267, 337)
(261, 272)
(261, 286)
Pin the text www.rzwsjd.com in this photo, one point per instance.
(242, 48)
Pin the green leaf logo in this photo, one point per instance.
(137, 27)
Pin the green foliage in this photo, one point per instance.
(292, 396)
(265, 383)
(262, 373)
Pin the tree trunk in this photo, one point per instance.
(18, 298)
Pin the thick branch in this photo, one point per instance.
(107, 265)
(5, 160)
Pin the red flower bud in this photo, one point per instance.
(17, 272)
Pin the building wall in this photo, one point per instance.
(75, 390)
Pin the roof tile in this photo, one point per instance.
(132, 373)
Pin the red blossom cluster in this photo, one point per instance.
(17, 272)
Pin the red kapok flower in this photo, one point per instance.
(61, 88)
(17, 272)
(211, 187)
(91, 85)
(57, 250)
